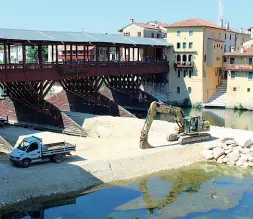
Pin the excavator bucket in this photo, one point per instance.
(144, 144)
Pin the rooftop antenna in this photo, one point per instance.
(221, 12)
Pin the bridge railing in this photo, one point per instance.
(36, 72)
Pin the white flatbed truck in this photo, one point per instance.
(32, 150)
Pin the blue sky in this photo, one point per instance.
(109, 16)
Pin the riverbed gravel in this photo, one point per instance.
(110, 153)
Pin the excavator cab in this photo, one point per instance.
(194, 124)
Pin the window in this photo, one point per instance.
(178, 45)
(250, 61)
(33, 146)
(190, 58)
(184, 45)
(178, 33)
(214, 46)
(205, 58)
(204, 73)
(189, 90)
(221, 47)
(234, 88)
(250, 76)
(158, 35)
(248, 89)
(127, 34)
(224, 48)
(184, 58)
(178, 73)
(178, 90)
(152, 35)
(190, 32)
(190, 45)
(190, 73)
(230, 37)
(178, 58)
(232, 74)
(139, 34)
(184, 73)
(232, 60)
(225, 36)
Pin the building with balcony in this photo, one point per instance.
(198, 48)
(240, 78)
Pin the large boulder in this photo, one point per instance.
(229, 142)
(248, 143)
(244, 157)
(220, 159)
(217, 152)
(228, 150)
(227, 147)
(245, 150)
(234, 156)
(239, 163)
(207, 154)
(226, 139)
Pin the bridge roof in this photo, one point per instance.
(77, 37)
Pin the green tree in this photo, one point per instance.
(32, 53)
(1, 47)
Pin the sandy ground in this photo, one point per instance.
(110, 153)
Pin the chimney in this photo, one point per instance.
(242, 50)
(221, 23)
(131, 20)
(241, 30)
(227, 25)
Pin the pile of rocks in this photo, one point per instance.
(231, 153)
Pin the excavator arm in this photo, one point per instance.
(159, 107)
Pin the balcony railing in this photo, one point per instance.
(183, 64)
(241, 67)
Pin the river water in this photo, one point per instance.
(236, 119)
(196, 192)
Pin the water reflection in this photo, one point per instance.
(200, 191)
(236, 119)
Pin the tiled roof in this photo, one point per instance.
(246, 52)
(194, 23)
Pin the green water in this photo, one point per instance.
(200, 191)
(219, 117)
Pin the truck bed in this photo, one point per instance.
(57, 148)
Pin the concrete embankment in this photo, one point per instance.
(109, 153)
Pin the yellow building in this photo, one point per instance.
(196, 59)
(240, 79)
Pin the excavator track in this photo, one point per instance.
(187, 139)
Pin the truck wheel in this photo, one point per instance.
(26, 163)
(58, 158)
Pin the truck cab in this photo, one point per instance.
(32, 150)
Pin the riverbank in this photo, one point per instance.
(110, 153)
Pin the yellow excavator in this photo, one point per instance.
(189, 128)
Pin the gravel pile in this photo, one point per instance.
(230, 152)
